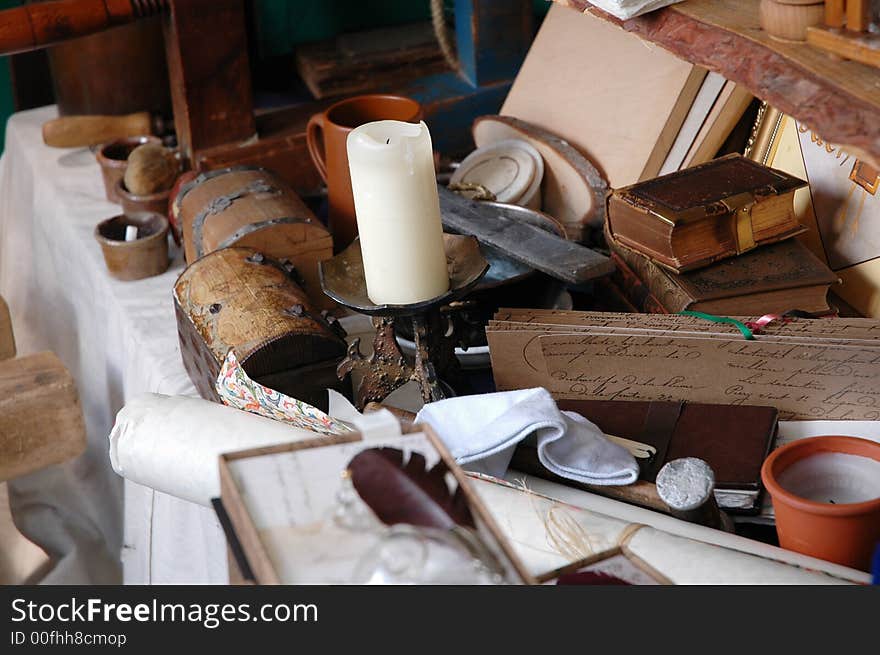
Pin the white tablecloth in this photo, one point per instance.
(117, 339)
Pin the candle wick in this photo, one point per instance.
(388, 140)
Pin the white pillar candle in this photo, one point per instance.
(398, 212)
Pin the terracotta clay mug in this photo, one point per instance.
(326, 136)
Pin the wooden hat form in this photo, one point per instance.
(572, 189)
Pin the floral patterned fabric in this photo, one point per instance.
(237, 390)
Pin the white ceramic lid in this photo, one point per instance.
(511, 169)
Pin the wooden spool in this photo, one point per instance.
(252, 207)
(237, 298)
(788, 20)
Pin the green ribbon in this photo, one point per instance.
(742, 327)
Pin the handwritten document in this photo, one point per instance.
(803, 381)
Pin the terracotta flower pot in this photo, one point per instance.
(113, 159)
(803, 488)
(133, 204)
(146, 256)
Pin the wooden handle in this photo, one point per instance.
(407, 419)
(44, 23)
(79, 131)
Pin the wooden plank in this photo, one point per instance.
(858, 46)
(206, 47)
(858, 15)
(41, 422)
(838, 99)
(558, 258)
(376, 60)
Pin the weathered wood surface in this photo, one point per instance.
(236, 298)
(858, 46)
(376, 60)
(281, 148)
(41, 422)
(206, 48)
(133, 74)
(254, 208)
(573, 191)
(838, 99)
(553, 255)
(44, 23)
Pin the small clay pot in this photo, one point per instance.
(845, 532)
(144, 257)
(113, 159)
(788, 20)
(132, 204)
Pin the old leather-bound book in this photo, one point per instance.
(733, 439)
(694, 217)
(771, 279)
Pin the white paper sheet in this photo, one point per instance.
(624, 9)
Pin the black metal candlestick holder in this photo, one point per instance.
(342, 278)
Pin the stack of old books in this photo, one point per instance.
(715, 238)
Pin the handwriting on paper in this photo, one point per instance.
(802, 381)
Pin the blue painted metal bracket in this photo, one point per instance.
(492, 39)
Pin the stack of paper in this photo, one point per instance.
(808, 369)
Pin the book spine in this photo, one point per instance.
(663, 295)
(635, 292)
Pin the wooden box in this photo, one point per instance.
(693, 217)
(238, 298)
(277, 506)
(252, 207)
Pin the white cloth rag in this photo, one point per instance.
(626, 9)
(483, 431)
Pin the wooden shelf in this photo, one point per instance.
(840, 100)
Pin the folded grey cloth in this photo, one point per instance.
(483, 431)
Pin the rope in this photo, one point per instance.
(438, 21)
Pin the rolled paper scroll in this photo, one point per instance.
(172, 443)
(552, 526)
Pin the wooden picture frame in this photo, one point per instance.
(250, 560)
(840, 208)
(640, 572)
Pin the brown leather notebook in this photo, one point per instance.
(770, 279)
(688, 219)
(733, 439)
